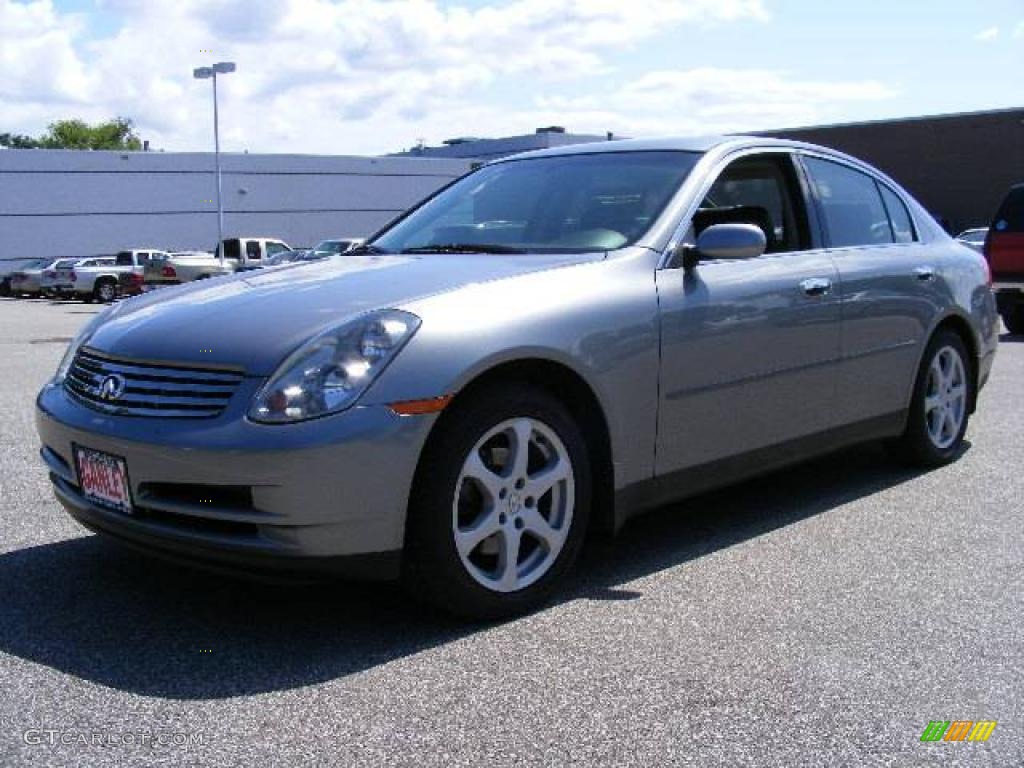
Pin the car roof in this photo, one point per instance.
(677, 144)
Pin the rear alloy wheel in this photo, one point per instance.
(105, 291)
(939, 410)
(500, 504)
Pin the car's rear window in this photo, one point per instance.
(124, 259)
(1010, 217)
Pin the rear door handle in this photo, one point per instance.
(816, 286)
(924, 274)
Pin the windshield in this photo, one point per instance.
(564, 203)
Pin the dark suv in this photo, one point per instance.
(1004, 249)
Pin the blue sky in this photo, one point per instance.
(364, 76)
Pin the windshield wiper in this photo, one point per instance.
(367, 248)
(464, 248)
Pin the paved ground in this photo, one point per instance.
(818, 617)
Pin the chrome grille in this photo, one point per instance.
(148, 389)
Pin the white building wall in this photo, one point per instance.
(69, 203)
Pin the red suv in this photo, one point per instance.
(1004, 249)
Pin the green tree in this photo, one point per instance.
(116, 134)
(18, 141)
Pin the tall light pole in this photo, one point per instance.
(203, 73)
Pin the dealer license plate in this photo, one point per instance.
(103, 478)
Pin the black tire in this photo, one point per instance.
(432, 567)
(916, 446)
(105, 290)
(1013, 318)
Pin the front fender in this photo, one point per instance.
(599, 319)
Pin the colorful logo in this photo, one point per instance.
(958, 730)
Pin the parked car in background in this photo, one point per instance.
(8, 268)
(974, 238)
(240, 253)
(556, 341)
(27, 281)
(1004, 249)
(334, 246)
(54, 279)
(129, 281)
(287, 257)
(138, 258)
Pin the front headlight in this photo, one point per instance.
(328, 373)
(76, 343)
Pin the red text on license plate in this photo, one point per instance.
(104, 478)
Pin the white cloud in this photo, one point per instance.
(365, 76)
(713, 100)
(987, 35)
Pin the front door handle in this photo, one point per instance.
(924, 274)
(816, 286)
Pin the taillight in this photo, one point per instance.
(168, 271)
(135, 279)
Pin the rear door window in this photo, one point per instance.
(252, 250)
(851, 205)
(124, 259)
(232, 249)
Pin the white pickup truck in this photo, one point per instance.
(97, 278)
(239, 253)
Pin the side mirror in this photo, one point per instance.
(723, 241)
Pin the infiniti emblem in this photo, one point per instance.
(515, 503)
(112, 387)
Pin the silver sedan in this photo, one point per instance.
(547, 346)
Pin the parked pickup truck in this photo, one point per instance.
(90, 279)
(1004, 250)
(99, 280)
(239, 253)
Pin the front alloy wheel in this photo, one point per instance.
(500, 503)
(513, 504)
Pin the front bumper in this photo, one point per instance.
(329, 494)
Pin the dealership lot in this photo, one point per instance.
(819, 616)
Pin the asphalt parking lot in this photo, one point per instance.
(820, 616)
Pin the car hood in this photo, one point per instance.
(252, 320)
